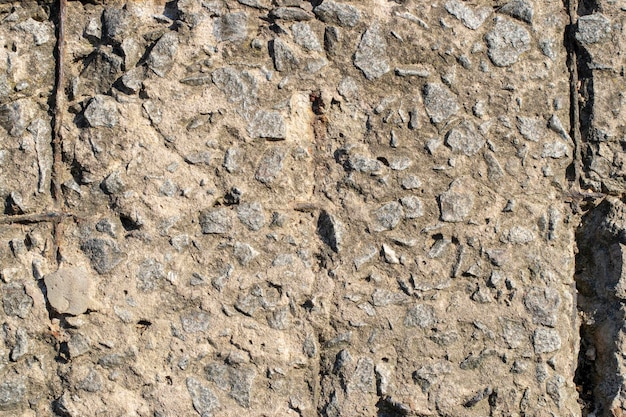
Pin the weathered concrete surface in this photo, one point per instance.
(293, 208)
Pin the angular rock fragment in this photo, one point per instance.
(465, 139)
(215, 221)
(421, 315)
(252, 215)
(304, 36)
(237, 86)
(161, 58)
(533, 129)
(593, 28)
(16, 116)
(284, 58)
(337, 13)
(387, 216)
(237, 380)
(291, 14)
(270, 166)
(15, 301)
(12, 393)
(440, 102)
(148, 274)
(456, 204)
(101, 112)
(371, 54)
(69, 290)
(506, 42)
(546, 340)
(471, 18)
(543, 304)
(519, 9)
(117, 24)
(244, 253)
(268, 125)
(413, 207)
(104, 254)
(202, 398)
(232, 27)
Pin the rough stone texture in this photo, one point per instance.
(331, 208)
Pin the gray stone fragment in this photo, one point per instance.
(304, 36)
(387, 216)
(78, 345)
(196, 321)
(161, 58)
(506, 42)
(543, 304)
(471, 18)
(362, 163)
(519, 235)
(244, 253)
(411, 182)
(513, 332)
(554, 387)
(232, 27)
(330, 230)
(92, 382)
(270, 166)
(421, 315)
(456, 204)
(103, 254)
(337, 13)
(371, 54)
(21, 345)
(400, 163)
(382, 298)
(555, 150)
(101, 112)
(465, 139)
(117, 24)
(440, 102)
(216, 221)
(198, 158)
(202, 398)
(15, 301)
(546, 340)
(133, 50)
(431, 374)
(232, 159)
(241, 380)
(283, 56)
(291, 14)
(257, 4)
(12, 393)
(519, 9)
(531, 128)
(40, 31)
(593, 28)
(149, 273)
(113, 184)
(237, 380)
(237, 86)
(413, 207)
(267, 124)
(251, 215)
(69, 290)
(366, 257)
(362, 379)
(16, 116)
